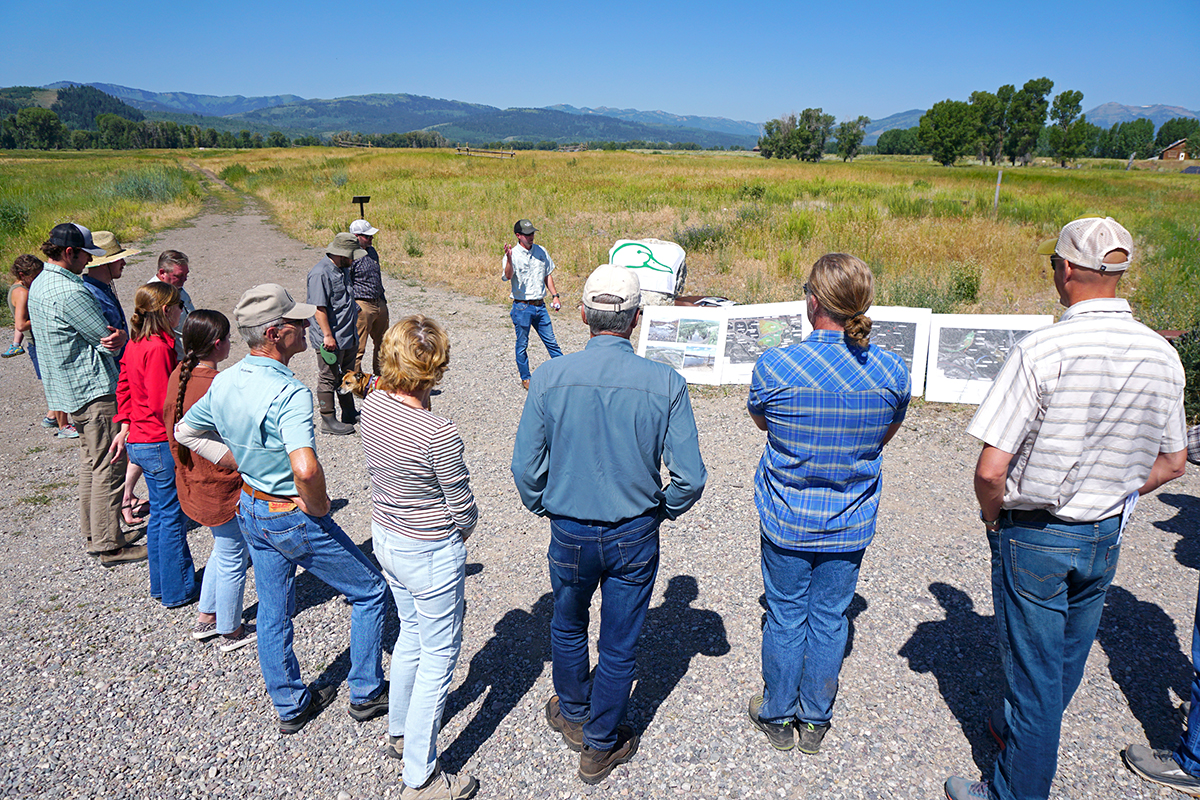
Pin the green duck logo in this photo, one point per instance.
(636, 255)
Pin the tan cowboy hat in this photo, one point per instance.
(107, 242)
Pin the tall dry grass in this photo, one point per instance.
(751, 226)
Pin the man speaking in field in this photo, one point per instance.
(527, 266)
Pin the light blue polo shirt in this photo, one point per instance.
(263, 413)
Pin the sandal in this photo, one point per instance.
(130, 508)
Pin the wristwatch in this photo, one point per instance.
(988, 523)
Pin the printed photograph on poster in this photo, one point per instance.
(685, 338)
(966, 352)
(905, 332)
(749, 330)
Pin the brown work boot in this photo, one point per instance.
(129, 554)
(572, 732)
(594, 765)
(442, 786)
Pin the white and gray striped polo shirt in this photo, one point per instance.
(1086, 404)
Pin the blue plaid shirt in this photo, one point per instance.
(827, 409)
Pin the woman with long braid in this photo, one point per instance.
(208, 493)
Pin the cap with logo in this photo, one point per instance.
(524, 227)
(113, 251)
(1085, 242)
(363, 227)
(69, 234)
(268, 302)
(614, 281)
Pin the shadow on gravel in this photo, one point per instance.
(1145, 660)
(1184, 524)
(506, 669)
(858, 604)
(961, 652)
(673, 633)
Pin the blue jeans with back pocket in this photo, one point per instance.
(622, 560)
(1053, 576)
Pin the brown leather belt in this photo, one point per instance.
(257, 495)
(531, 302)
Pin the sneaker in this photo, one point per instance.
(811, 736)
(318, 700)
(67, 432)
(204, 630)
(244, 635)
(962, 789)
(49, 422)
(998, 727)
(442, 786)
(779, 734)
(395, 747)
(1159, 766)
(572, 732)
(129, 554)
(13, 350)
(594, 765)
(377, 706)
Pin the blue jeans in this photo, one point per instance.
(224, 586)
(172, 573)
(621, 559)
(1053, 577)
(524, 316)
(804, 639)
(1188, 752)
(427, 580)
(288, 538)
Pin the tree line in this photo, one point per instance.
(1008, 124)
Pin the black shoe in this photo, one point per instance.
(998, 727)
(330, 424)
(594, 765)
(377, 706)
(779, 734)
(1160, 767)
(318, 700)
(811, 736)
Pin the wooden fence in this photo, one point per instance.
(475, 151)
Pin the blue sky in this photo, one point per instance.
(872, 58)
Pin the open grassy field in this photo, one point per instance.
(751, 226)
(130, 194)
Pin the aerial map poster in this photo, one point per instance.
(683, 337)
(905, 332)
(751, 329)
(966, 352)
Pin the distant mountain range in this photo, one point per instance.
(472, 122)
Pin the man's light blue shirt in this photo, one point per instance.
(263, 413)
(596, 426)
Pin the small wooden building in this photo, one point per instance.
(1177, 151)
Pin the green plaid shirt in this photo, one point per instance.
(68, 326)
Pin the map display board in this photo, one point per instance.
(905, 332)
(683, 337)
(966, 352)
(749, 330)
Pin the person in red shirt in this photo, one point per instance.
(141, 392)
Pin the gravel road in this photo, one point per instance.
(108, 696)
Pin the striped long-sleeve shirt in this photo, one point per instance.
(420, 486)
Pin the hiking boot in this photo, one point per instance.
(525, 384)
(129, 554)
(442, 786)
(572, 732)
(962, 789)
(318, 700)
(594, 765)
(998, 727)
(377, 706)
(811, 736)
(779, 734)
(330, 424)
(395, 747)
(1159, 766)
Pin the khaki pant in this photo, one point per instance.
(373, 322)
(101, 483)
